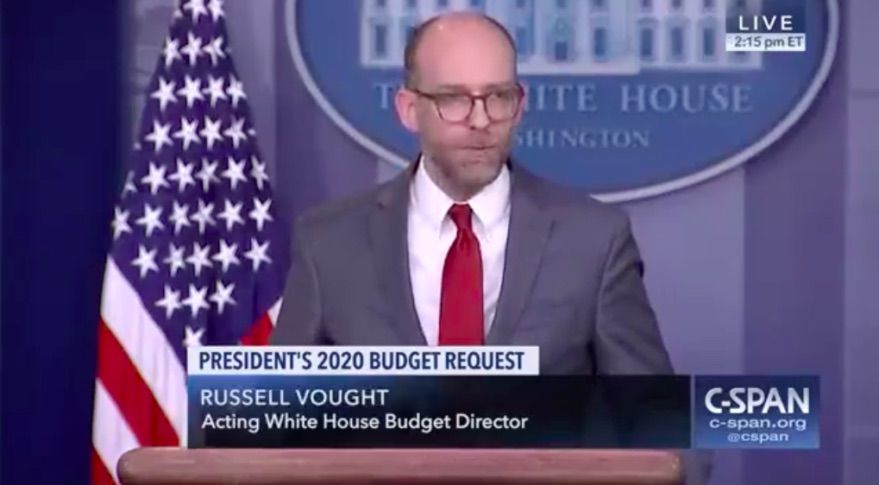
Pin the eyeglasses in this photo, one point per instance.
(457, 107)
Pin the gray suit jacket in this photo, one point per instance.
(572, 280)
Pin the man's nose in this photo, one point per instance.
(479, 116)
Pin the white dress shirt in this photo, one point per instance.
(431, 233)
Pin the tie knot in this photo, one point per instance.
(460, 215)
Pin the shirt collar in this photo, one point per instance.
(490, 205)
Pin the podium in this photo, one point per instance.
(180, 466)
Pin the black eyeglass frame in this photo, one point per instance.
(433, 97)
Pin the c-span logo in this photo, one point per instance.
(627, 98)
(756, 412)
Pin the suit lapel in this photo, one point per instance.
(388, 224)
(530, 227)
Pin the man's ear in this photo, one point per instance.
(404, 102)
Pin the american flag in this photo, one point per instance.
(198, 255)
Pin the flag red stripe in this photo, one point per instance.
(145, 345)
(133, 397)
(259, 332)
(100, 474)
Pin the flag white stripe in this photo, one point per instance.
(274, 311)
(146, 346)
(111, 435)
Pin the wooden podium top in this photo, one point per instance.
(156, 466)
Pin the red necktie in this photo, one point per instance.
(460, 321)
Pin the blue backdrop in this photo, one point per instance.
(62, 102)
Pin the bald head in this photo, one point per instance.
(441, 34)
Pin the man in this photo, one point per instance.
(466, 247)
